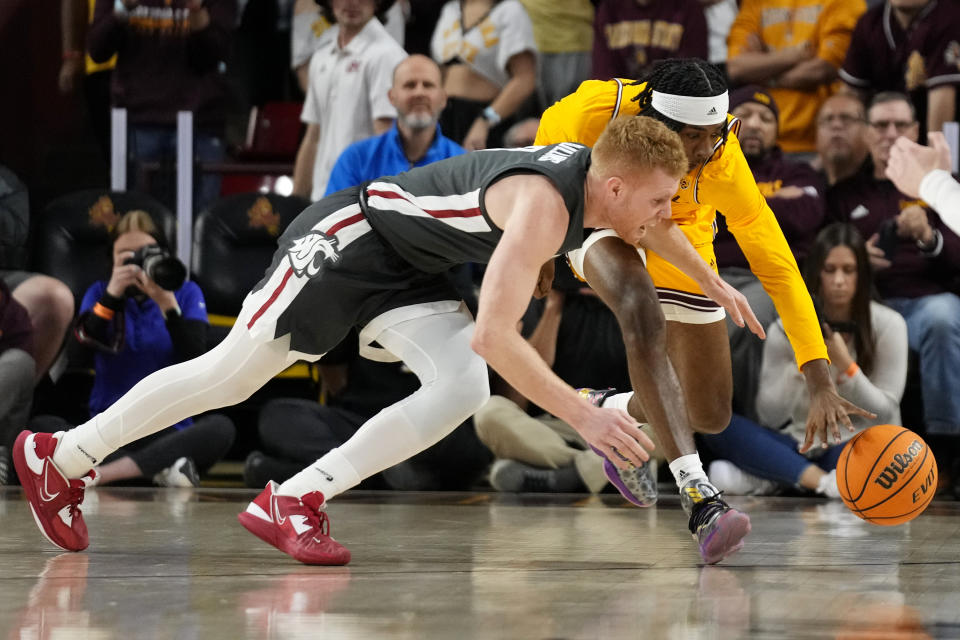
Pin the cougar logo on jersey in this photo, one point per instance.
(304, 252)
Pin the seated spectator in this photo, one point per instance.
(563, 33)
(579, 337)
(924, 172)
(910, 46)
(48, 301)
(16, 374)
(347, 91)
(795, 52)
(135, 327)
(795, 193)
(630, 35)
(413, 141)
(867, 344)
(916, 260)
(841, 137)
(487, 50)
(295, 432)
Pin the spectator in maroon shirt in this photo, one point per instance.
(841, 137)
(795, 193)
(912, 46)
(170, 57)
(916, 261)
(629, 35)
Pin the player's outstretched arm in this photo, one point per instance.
(535, 224)
(667, 240)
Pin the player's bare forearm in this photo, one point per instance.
(828, 411)
(521, 366)
(616, 272)
(817, 375)
(508, 283)
(534, 219)
(672, 245)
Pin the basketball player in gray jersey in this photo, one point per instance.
(373, 257)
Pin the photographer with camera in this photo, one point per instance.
(916, 260)
(145, 318)
(867, 344)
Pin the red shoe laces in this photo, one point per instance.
(75, 497)
(317, 518)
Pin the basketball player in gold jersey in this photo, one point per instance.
(690, 97)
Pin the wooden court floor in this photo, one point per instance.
(170, 563)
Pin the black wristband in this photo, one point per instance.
(111, 302)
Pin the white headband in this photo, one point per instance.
(690, 110)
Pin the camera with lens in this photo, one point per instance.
(160, 266)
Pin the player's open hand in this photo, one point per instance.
(735, 304)
(828, 413)
(617, 435)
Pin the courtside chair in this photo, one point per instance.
(233, 243)
(73, 234)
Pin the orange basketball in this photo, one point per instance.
(887, 474)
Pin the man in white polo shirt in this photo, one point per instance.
(347, 92)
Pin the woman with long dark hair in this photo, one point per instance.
(867, 345)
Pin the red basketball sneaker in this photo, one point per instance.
(54, 499)
(297, 526)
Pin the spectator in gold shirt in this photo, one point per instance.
(794, 48)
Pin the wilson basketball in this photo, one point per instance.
(887, 474)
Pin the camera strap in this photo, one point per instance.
(115, 345)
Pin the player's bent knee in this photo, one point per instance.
(711, 420)
(459, 396)
(471, 392)
(641, 319)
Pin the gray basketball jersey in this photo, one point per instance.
(434, 216)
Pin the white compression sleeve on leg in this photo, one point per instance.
(225, 375)
(454, 379)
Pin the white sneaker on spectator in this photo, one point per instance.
(827, 486)
(733, 480)
(182, 473)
